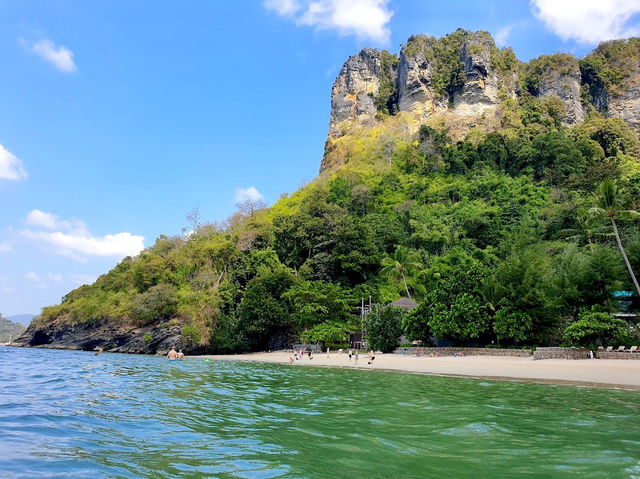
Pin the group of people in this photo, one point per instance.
(175, 356)
(353, 355)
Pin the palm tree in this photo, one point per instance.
(608, 203)
(400, 263)
(584, 230)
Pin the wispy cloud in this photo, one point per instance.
(250, 193)
(58, 55)
(589, 21)
(6, 248)
(366, 19)
(502, 34)
(72, 238)
(36, 280)
(11, 167)
(80, 279)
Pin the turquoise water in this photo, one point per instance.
(70, 414)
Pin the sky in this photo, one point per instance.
(119, 117)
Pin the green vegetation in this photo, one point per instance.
(562, 64)
(9, 329)
(500, 238)
(387, 99)
(608, 66)
(595, 329)
(443, 57)
(384, 327)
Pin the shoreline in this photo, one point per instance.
(600, 373)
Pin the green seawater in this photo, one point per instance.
(71, 414)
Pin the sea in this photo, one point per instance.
(72, 414)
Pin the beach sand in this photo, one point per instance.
(617, 373)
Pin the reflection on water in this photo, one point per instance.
(71, 414)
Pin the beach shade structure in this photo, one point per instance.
(404, 303)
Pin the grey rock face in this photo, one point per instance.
(626, 105)
(415, 89)
(564, 84)
(107, 334)
(480, 89)
(353, 93)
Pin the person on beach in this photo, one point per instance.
(309, 354)
(371, 357)
(356, 356)
(290, 359)
(328, 351)
(172, 355)
(180, 355)
(350, 354)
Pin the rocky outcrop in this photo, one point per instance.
(558, 76)
(416, 92)
(111, 335)
(353, 93)
(611, 74)
(479, 90)
(626, 104)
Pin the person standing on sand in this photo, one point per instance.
(350, 354)
(290, 359)
(371, 357)
(172, 355)
(356, 356)
(328, 351)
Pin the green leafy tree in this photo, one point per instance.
(609, 207)
(595, 329)
(400, 263)
(383, 326)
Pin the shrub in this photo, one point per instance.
(190, 334)
(595, 329)
(157, 304)
(148, 338)
(384, 328)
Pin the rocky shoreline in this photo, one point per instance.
(105, 333)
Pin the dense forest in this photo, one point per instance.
(515, 237)
(503, 238)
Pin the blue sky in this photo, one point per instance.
(117, 117)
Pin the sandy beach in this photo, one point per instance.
(618, 373)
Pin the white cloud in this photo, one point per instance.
(251, 193)
(40, 218)
(588, 21)
(11, 167)
(6, 248)
(366, 19)
(59, 56)
(502, 35)
(72, 238)
(81, 279)
(7, 289)
(55, 277)
(285, 8)
(31, 276)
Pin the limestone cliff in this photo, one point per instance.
(463, 78)
(352, 97)
(416, 92)
(558, 75)
(479, 90)
(611, 74)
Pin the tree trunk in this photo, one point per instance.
(624, 255)
(406, 288)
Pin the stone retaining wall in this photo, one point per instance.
(450, 351)
(617, 355)
(561, 353)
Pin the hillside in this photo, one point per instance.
(477, 203)
(9, 329)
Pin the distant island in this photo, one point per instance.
(10, 330)
(501, 197)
